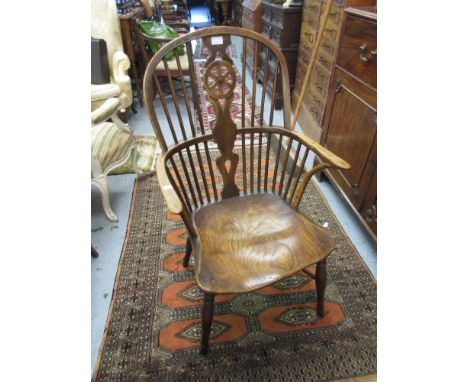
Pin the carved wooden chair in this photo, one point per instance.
(240, 200)
(111, 146)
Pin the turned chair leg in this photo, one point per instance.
(321, 284)
(188, 252)
(207, 320)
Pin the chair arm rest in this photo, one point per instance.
(104, 111)
(173, 202)
(329, 159)
(323, 153)
(120, 66)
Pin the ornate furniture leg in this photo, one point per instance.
(101, 183)
(188, 252)
(321, 284)
(207, 320)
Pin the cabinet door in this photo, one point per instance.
(351, 134)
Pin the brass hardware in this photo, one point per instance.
(311, 39)
(355, 189)
(369, 57)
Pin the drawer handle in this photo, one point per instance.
(311, 39)
(369, 57)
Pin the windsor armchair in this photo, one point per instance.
(176, 121)
(239, 201)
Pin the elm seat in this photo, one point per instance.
(251, 241)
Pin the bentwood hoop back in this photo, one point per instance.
(184, 116)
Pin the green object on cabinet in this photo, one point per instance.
(154, 29)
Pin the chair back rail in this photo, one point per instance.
(174, 105)
(261, 170)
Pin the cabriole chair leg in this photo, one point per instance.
(101, 183)
(207, 320)
(321, 284)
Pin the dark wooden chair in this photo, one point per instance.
(239, 200)
(143, 41)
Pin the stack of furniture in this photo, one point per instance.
(252, 20)
(312, 113)
(237, 12)
(130, 46)
(339, 107)
(280, 25)
(350, 122)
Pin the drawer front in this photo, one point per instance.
(267, 29)
(358, 51)
(267, 13)
(325, 60)
(312, 6)
(307, 38)
(277, 19)
(311, 19)
(329, 47)
(314, 106)
(336, 14)
(301, 70)
(332, 31)
(282, 38)
(320, 80)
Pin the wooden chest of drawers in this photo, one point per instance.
(350, 122)
(280, 25)
(312, 113)
(252, 20)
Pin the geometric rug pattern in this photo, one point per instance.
(273, 334)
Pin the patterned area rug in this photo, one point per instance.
(203, 53)
(145, 146)
(273, 334)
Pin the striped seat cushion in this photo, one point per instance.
(109, 144)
